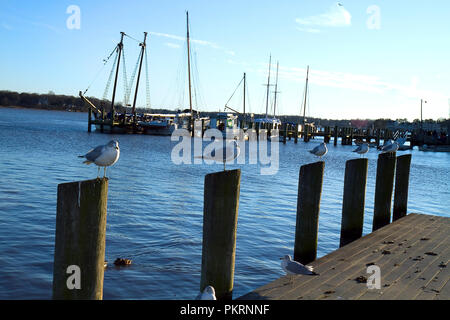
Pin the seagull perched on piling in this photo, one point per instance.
(320, 150)
(207, 294)
(228, 154)
(103, 156)
(362, 149)
(293, 267)
(393, 147)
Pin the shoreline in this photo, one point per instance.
(44, 109)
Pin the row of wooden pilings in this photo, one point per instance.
(82, 210)
(347, 134)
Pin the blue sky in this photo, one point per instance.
(368, 59)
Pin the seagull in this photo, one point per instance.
(103, 156)
(207, 294)
(362, 148)
(293, 267)
(393, 147)
(320, 150)
(228, 154)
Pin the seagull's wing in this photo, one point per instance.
(298, 268)
(315, 149)
(95, 153)
(358, 149)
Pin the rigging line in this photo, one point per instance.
(235, 90)
(198, 88)
(125, 81)
(133, 76)
(247, 94)
(108, 83)
(132, 38)
(105, 61)
(147, 82)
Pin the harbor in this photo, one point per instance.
(260, 157)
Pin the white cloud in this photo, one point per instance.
(365, 83)
(335, 16)
(174, 37)
(172, 45)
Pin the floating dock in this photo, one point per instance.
(412, 254)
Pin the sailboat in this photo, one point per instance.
(113, 121)
(228, 123)
(166, 124)
(305, 122)
(266, 122)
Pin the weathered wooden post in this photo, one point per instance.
(80, 240)
(336, 131)
(285, 132)
(383, 190)
(89, 118)
(296, 133)
(308, 205)
(220, 213)
(353, 202)
(401, 186)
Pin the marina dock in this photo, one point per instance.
(412, 254)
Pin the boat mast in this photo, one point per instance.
(120, 47)
(275, 97)
(306, 93)
(142, 44)
(268, 84)
(244, 96)
(189, 69)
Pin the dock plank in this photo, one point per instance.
(328, 266)
(412, 253)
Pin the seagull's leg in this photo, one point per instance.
(98, 172)
(224, 166)
(104, 172)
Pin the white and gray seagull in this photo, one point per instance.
(103, 156)
(320, 150)
(393, 147)
(293, 267)
(207, 294)
(229, 153)
(362, 149)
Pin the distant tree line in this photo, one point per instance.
(52, 101)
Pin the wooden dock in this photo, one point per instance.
(412, 254)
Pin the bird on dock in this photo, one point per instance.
(393, 147)
(362, 149)
(229, 153)
(103, 156)
(292, 267)
(207, 294)
(320, 150)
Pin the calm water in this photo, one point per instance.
(155, 207)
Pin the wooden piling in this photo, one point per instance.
(308, 205)
(89, 119)
(401, 186)
(383, 190)
(296, 133)
(353, 202)
(285, 133)
(220, 213)
(336, 131)
(80, 239)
